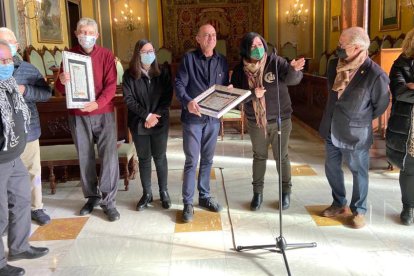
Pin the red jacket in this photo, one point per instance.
(104, 75)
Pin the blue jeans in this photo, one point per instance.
(199, 140)
(358, 162)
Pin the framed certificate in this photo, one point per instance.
(218, 100)
(80, 90)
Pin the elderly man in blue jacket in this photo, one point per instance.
(358, 93)
(34, 88)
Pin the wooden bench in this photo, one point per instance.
(66, 155)
(57, 148)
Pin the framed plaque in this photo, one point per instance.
(80, 90)
(218, 100)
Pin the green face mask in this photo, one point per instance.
(257, 53)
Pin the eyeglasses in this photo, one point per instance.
(6, 61)
(147, 52)
(344, 46)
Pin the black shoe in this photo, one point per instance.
(10, 270)
(256, 201)
(210, 204)
(407, 216)
(89, 205)
(285, 201)
(165, 200)
(188, 213)
(111, 213)
(40, 217)
(143, 202)
(31, 253)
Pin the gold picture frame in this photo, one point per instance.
(49, 23)
(390, 15)
(335, 23)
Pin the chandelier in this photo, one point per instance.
(296, 14)
(128, 21)
(31, 9)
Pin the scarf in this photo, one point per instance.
(254, 74)
(10, 86)
(345, 71)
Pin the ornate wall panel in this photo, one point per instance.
(231, 18)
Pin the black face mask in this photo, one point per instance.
(341, 53)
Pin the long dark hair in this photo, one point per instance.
(246, 44)
(135, 63)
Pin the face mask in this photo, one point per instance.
(341, 53)
(87, 41)
(147, 58)
(257, 53)
(13, 49)
(6, 71)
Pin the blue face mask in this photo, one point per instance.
(87, 41)
(6, 71)
(13, 49)
(147, 58)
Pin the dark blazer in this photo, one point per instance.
(349, 118)
(147, 95)
(286, 76)
(399, 124)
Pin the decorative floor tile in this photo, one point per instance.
(203, 221)
(316, 210)
(59, 229)
(302, 170)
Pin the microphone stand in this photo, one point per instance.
(281, 244)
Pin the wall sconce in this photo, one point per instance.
(31, 9)
(127, 21)
(296, 14)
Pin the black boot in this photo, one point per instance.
(165, 199)
(407, 215)
(143, 202)
(285, 201)
(256, 201)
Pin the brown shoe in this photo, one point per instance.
(333, 211)
(358, 221)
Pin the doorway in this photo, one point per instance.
(73, 15)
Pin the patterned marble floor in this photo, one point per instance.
(155, 242)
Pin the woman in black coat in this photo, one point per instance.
(400, 139)
(147, 94)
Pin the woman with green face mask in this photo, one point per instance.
(267, 76)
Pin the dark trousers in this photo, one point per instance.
(199, 141)
(155, 146)
(99, 129)
(358, 163)
(260, 147)
(15, 201)
(407, 182)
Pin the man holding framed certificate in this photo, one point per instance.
(199, 70)
(95, 122)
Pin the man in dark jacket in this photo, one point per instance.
(199, 70)
(358, 93)
(34, 88)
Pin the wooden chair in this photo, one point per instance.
(398, 42)
(270, 48)
(323, 64)
(234, 115)
(119, 71)
(35, 58)
(387, 42)
(58, 56)
(164, 55)
(288, 51)
(50, 64)
(375, 46)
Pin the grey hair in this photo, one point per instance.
(5, 43)
(358, 36)
(86, 21)
(9, 32)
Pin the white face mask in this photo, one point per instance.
(87, 41)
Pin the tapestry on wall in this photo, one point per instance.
(231, 19)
